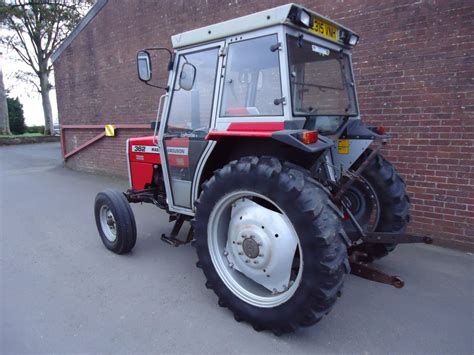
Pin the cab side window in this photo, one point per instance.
(252, 80)
(191, 110)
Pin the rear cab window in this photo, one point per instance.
(252, 82)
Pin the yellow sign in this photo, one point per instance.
(110, 130)
(325, 29)
(343, 146)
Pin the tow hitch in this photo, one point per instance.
(359, 261)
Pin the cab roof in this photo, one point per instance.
(280, 15)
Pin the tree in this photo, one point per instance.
(16, 116)
(36, 29)
(4, 123)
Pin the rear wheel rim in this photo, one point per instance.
(222, 248)
(108, 224)
(362, 201)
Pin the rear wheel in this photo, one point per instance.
(270, 244)
(115, 221)
(379, 202)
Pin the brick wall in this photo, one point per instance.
(414, 68)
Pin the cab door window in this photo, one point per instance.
(188, 123)
(252, 83)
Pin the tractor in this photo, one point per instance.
(258, 144)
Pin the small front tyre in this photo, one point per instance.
(115, 221)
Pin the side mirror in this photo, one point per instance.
(187, 76)
(144, 66)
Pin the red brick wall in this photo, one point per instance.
(414, 68)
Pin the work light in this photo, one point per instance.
(303, 18)
(353, 39)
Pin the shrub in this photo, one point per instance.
(35, 129)
(16, 116)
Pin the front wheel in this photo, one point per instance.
(270, 244)
(115, 221)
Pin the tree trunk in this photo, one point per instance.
(4, 121)
(47, 111)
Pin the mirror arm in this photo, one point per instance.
(167, 88)
(170, 65)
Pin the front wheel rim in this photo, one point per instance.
(108, 224)
(244, 252)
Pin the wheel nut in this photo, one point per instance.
(247, 261)
(231, 265)
(260, 255)
(255, 262)
(240, 253)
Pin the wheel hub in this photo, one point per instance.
(107, 221)
(250, 247)
(261, 245)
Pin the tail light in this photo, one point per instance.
(381, 130)
(308, 137)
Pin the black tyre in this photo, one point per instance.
(239, 212)
(115, 221)
(380, 203)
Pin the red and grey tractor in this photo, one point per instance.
(258, 144)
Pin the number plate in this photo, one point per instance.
(343, 146)
(325, 29)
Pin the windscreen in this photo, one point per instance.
(321, 80)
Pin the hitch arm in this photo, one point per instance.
(366, 272)
(395, 238)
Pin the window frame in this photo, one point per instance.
(290, 32)
(172, 89)
(165, 117)
(278, 30)
(225, 74)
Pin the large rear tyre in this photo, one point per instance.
(380, 203)
(115, 221)
(270, 243)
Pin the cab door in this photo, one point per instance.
(189, 117)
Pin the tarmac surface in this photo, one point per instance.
(61, 291)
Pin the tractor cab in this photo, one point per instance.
(283, 74)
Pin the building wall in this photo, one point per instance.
(414, 71)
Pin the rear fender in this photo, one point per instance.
(352, 143)
(227, 149)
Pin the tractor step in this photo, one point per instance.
(172, 238)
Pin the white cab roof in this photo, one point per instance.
(258, 20)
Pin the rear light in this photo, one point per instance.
(381, 130)
(308, 137)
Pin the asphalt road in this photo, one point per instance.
(63, 292)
